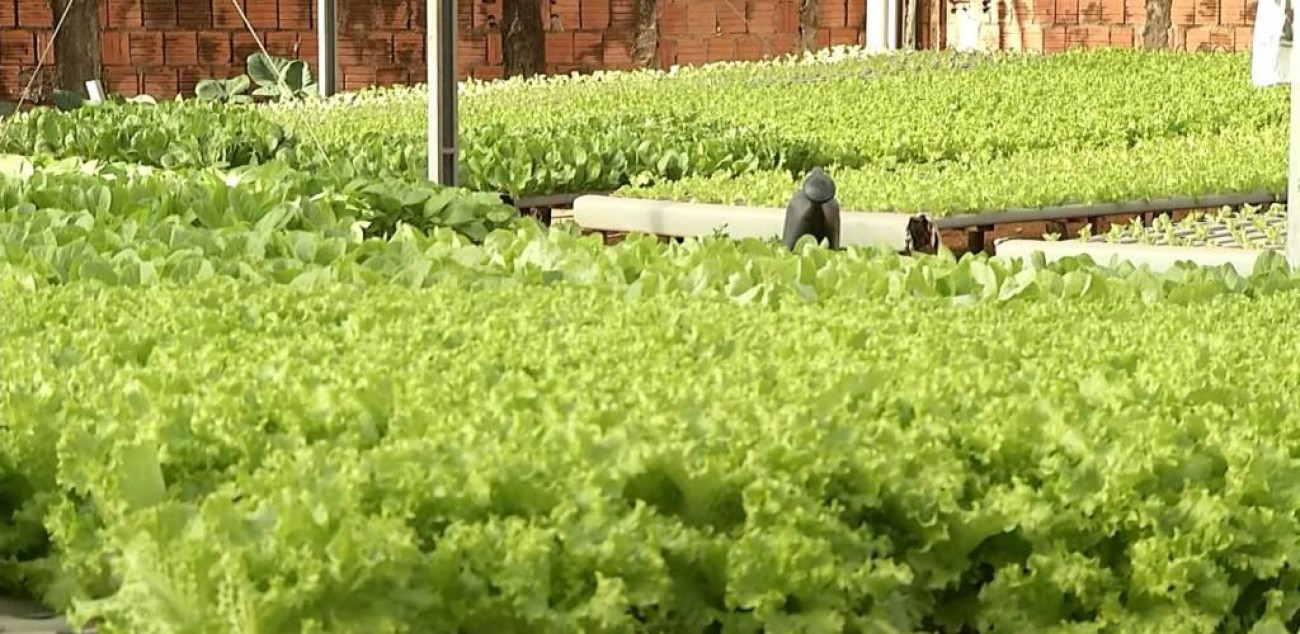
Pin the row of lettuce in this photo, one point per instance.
(244, 457)
(939, 132)
(67, 220)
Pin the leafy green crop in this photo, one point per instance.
(169, 134)
(1241, 161)
(229, 457)
(598, 133)
(264, 198)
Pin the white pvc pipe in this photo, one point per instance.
(877, 27)
(1293, 166)
(677, 219)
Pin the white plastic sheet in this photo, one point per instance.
(1270, 60)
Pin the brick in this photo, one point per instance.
(1196, 38)
(1243, 38)
(761, 21)
(617, 53)
(158, 14)
(731, 20)
(124, 13)
(160, 83)
(1183, 12)
(115, 48)
(1067, 12)
(9, 83)
(356, 78)
(187, 79)
(181, 48)
(834, 14)
(782, 44)
(408, 48)
(701, 19)
(823, 38)
(666, 53)
(692, 51)
(595, 14)
(1135, 12)
(472, 52)
(566, 11)
(8, 20)
(1091, 11)
(673, 20)
(622, 13)
(1085, 37)
(1222, 39)
(588, 49)
(194, 15)
(225, 16)
(392, 77)
(494, 56)
(223, 71)
(845, 36)
(306, 43)
(1054, 39)
(720, 49)
(284, 43)
(34, 13)
(1207, 11)
(121, 80)
(1237, 12)
(489, 73)
(388, 16)
(243, 46)
(45, 48)
(856, 15)
(1041, 12)
(560, 48)
(787, 17)
(146, 49)
(749, 48)
(264, 14)
(296, 14)
(374, 50)
(215, 49)
(1123, 36)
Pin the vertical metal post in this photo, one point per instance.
(327, 46)
(1293, 166)
(443, 84)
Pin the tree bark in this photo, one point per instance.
(76, 49)
(1155, 33)
(809, 19)
(523, 43)
(646, 44)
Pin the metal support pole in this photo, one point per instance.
(1293, 167)
(327, 45)
(443, 85)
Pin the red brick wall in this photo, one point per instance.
(1057, 25)
(161, 47)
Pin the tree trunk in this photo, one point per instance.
(646, 43)
(1155, 33)
(76, 49)
(809, 19)
(523, 43)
